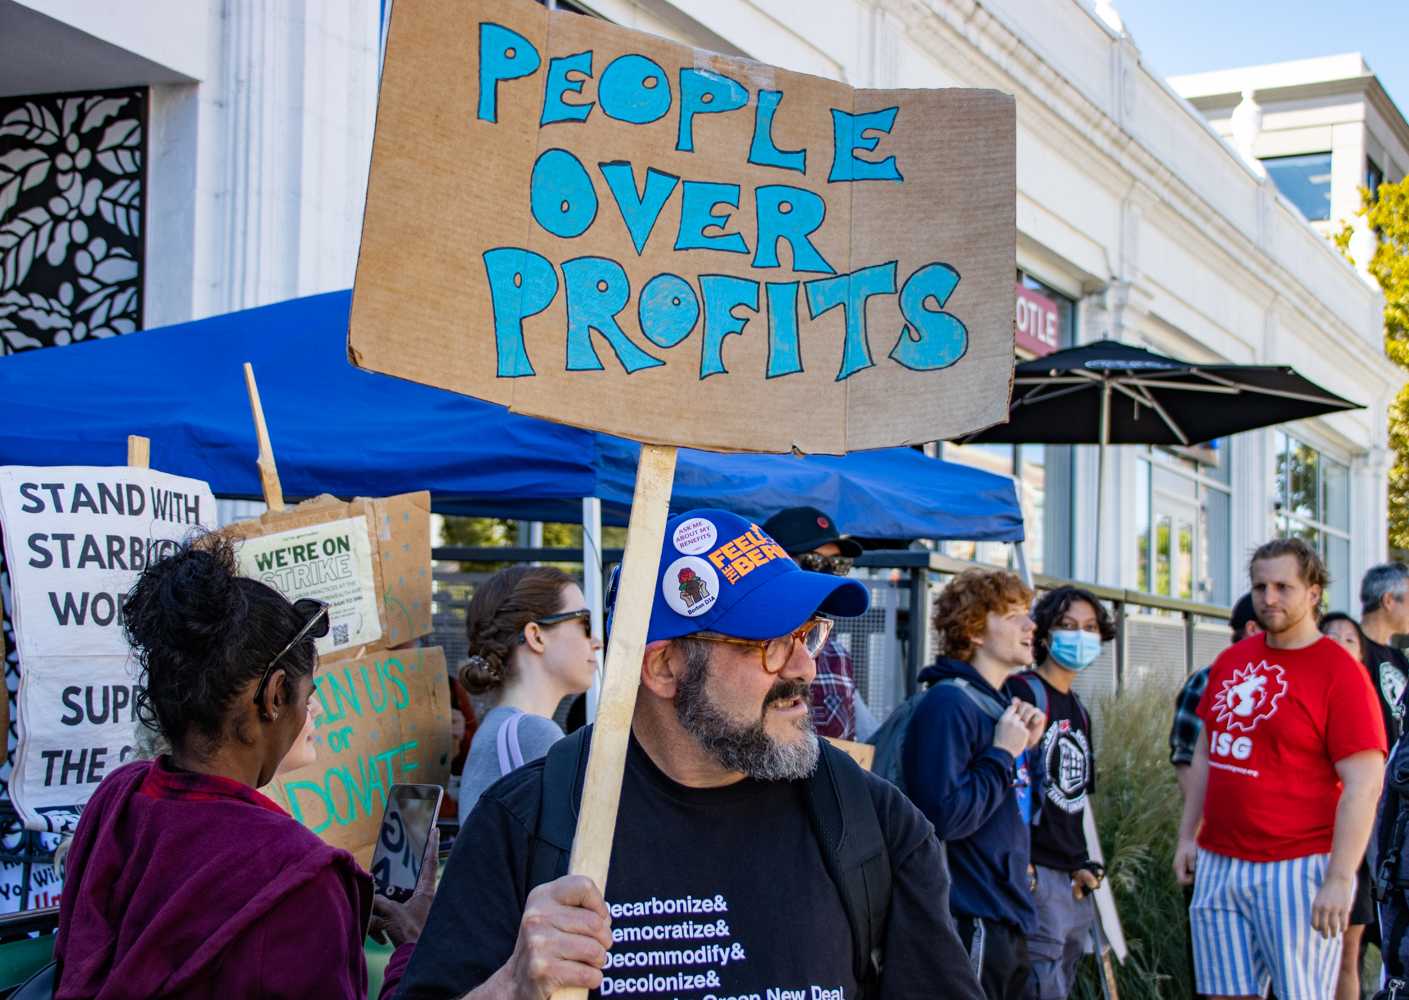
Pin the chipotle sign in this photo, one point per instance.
(1039, 322)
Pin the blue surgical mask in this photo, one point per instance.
(1074, 650)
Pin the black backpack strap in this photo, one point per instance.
(853, 847)
(563, 773)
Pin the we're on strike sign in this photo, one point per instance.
(75, 540)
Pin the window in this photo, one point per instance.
(1043, 477)
(1182, 523)
(1374, 177)
(1312, 491)
(1306, 182)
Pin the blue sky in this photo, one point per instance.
(1191, 36)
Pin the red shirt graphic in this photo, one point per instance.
(1277, 722)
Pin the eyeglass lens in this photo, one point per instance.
(777, 652)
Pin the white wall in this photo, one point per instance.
(258, 173)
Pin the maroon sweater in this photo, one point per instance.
(185, 885)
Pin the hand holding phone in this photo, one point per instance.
(410, 815)
(408, 846)
(396, 923)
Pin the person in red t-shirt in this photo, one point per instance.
(1282, 794)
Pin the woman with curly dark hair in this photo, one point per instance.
(531, 645)
(183, 880)
(1072, 626)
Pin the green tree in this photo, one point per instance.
(502, 532)
(1388, 213)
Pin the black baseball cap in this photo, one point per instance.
(802, 529)
(1242, 614)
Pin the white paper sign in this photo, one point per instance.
(331, 562)
(76, 538)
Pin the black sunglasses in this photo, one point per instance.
(834, 565)
(583, 615)
(315, 627)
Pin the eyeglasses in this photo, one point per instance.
(583, 615)
(316, 626)
(832, 565)
(774, 654)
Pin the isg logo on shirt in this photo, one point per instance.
(1250, 696)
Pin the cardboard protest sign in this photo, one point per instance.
(385, 719)
(369, 559)
(615, 231)
(403, 529)
(76, 539)
(331, 561)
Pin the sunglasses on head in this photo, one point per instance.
(583, 615)
(831, 565)
(315, 626)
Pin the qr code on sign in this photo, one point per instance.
(340, 634)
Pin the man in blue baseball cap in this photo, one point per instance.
(751, 858)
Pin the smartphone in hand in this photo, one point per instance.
(410, 815)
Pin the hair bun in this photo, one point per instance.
(479, 674)
(189, 598)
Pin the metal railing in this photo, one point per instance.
(1156, 636)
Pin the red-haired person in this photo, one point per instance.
(961, 762)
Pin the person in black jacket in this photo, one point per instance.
(719, 884)
(964, 769)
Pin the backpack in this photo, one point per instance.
(889, 740)
(1390, 877)
(840, 810)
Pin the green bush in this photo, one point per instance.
(1137, 806)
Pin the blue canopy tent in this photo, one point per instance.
(337, 429)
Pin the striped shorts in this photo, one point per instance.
(1251, 924)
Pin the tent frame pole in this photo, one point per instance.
(1105, 437)
(592, 588)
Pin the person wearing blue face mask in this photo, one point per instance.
(1072, 625)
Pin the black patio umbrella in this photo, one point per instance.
(1108, 393)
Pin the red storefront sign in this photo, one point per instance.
(1039, 322)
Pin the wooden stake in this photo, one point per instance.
(268, 472)
(601, 793)
(139, 451)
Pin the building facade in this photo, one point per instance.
(1139, 221)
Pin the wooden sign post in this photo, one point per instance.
(650, 507)
(268, 471)
(607, 229)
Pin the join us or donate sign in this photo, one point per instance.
(610, 230)
(75, 541)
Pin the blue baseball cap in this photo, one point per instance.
(721, 573)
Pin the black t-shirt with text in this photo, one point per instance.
(1389, 671)
(716, 892)
(1065, 766)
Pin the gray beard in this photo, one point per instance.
(742, 747)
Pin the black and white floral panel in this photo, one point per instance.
(71, 217)
(71, 220)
